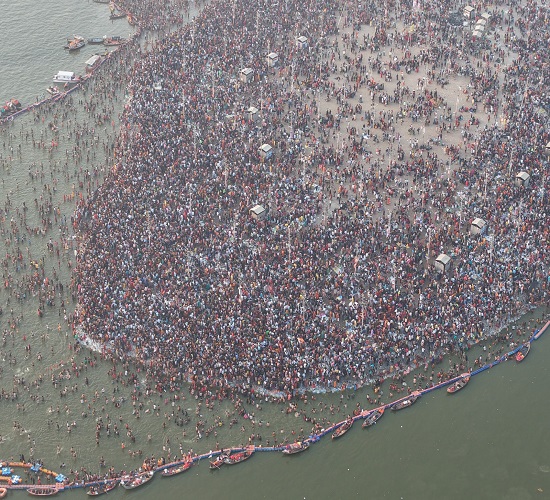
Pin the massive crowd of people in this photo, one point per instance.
(337, 285)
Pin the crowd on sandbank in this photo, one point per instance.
(335, 286)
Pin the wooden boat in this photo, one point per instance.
(42, 491)
(218, 461)
(101, 489)
(177, 469)
(345, 427)
(110, 41)
(237, 458)
(373, 417)
(117, 15)
(98, 40)
(102, 1)
(294, 448)
(459, 384)
(131, 482)
(405, 403)
(523, 352)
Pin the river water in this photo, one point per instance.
(490, 441)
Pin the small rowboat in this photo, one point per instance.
(117, 15)
(98, 40)
(131, 482)
(101, 489)
(373, 417)
(523, 352)
(405, 403)
(177, 469)
(294, 448)
(345, 427)
(218, 462)
(42, 491)
(459, 384)
(237, 458)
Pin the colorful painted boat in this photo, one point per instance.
(373, 417)
(131, 482)
(523, 352)
(177, 469)
(294, 448)
(345, 427)
(237, 458)
(405, 403)
(459, 384)
(101, 489)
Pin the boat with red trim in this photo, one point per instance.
(177, 469)
(523, 352)
(373, 417)
(459, 384)
(298, 447)
(345, 427)
(237, 458)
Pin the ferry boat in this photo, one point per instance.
(65, 77)
(373, 417)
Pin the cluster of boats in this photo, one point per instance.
(11, 107)
(77, 42)
(231, 458)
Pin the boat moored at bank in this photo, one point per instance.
(297, 447)
(136, 480)
(177, 469)
(523, 352)
(406, 402)
(373, 417)
(459, 384)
